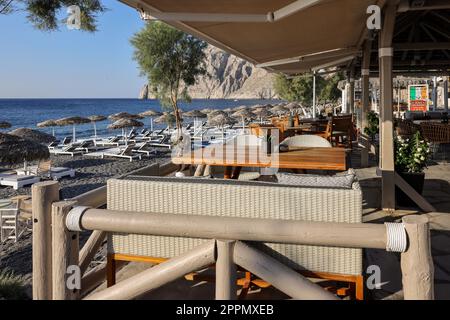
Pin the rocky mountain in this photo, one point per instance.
(229, 77)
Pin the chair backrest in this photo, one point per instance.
(143, 146)
(114, 139)
(69, 148)
(44, 166)
(342, 123)
(128, 150)
(53, 143)
(306, 140)
(67, 140)
(435, 132)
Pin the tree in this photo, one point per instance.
(171, 60)
(300, 88)
(330, 91)
(43, 14)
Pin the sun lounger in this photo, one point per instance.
(70, 150)
(44, 168)
(18, 181)
(87, 146)
(164, 142)
(114, 141)
(126, 153)
(141, 149)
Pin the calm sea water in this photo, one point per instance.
(28, 112)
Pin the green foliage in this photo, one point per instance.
(411, 155)
(12, 287)
(43, 14)
(171, 60)
(300, 88)
(373, 124)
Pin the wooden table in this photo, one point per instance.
(233, 159)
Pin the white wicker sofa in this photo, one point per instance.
(257, 200)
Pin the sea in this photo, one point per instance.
(29, 112)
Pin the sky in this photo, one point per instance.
(70, 63)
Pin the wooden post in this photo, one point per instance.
(386, 120)
(43, 194)
(65, 251)
(90, 248)
(225, 271)
(365, 103)
(416, 261)
(446, 94)
(199, 170)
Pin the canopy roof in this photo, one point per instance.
(295, 36)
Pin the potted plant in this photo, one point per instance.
(411, 157)
(372, 128)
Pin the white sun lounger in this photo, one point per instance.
(141, 149)
(125, 152)
(18, 181)
(70, 150)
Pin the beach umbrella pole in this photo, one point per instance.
(95, 130)
(151, 124)
(74, 136)
(53, 131)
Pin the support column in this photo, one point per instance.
(446, 94)
(386, 113)
(365, 103)
(314, 95)
(434, 93)
(351, 94)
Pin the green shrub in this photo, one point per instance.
(411, 155)
(12, 287)
(372, 124)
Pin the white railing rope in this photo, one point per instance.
(73, 218)
(396, 237)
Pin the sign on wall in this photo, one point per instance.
(418, 97)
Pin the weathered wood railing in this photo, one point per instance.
(225, 247)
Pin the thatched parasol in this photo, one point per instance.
(34, 135)
(279, 109)
(94, 119)
(166, 117)
(14, 149)
(243, 114)
(124, 124)
(5, 125)
(207, 110)
(195, 114)
(215, 113)
(262, 113)
(240, 108)
(72, 121)
(221, 120)
(48, 123)
(150, 114)
(124, 115)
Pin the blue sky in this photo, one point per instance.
(70, 63)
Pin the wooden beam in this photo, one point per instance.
(413, 194)
(417, 46)
(364, 140)
(280, 276)
(90, 248)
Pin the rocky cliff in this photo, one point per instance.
(229, 77)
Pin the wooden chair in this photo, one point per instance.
(11, 227)
(341, 128)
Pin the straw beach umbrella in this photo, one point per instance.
(220, 121)
(240, 108)
(195, 114)
(215, 113)
(124, 115)
(33, 135)
(5, 125)
(207, 110)
(279, 110)
(125, 124)
(72, 121)
(94, 119)
(262, 113)
(166, 117)
(150, 114)
(243, 114)
(48, 124)
(14, 149)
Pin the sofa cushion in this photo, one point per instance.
(342, 180)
